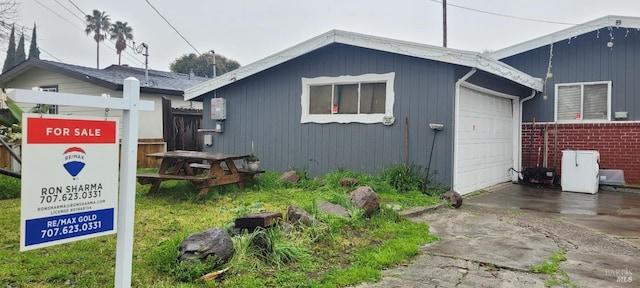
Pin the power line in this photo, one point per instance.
(174, 28)
(65, 8)
(65, 19)
(82, 29)
(506, 16)
(125, 51)
(74, 5)
(27, 38)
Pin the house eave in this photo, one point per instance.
(447, 55)
(612, 21)
(33, 63)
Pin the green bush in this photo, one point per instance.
(9, 187)
(404, 178)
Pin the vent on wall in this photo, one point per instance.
(621, 115)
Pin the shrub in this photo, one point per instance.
(404, 178)
(9, 187)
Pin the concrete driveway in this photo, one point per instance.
(496, 237)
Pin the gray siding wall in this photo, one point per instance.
(586, 58)
(265, 108)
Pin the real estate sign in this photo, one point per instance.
(69, 179)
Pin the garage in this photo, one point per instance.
(485, 144)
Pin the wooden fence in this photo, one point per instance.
(145, 146)
(181, 127)
(5, 158)
(180, 133)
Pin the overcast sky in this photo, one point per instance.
(249, 30)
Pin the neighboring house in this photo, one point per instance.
(65, 78)
(347, 100)
(591, 92)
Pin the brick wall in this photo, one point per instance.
(617, 142)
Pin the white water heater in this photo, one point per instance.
(580, 170)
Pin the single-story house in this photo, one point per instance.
(347, 100)
(590, 97)
(66, 78)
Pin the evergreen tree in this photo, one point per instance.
(20, 54)
(34, 52)
(11, 52)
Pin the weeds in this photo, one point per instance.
(332, 252)
(552, 268)
(404, 178)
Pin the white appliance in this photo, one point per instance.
(580, 171)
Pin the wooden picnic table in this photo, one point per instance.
(201, 169)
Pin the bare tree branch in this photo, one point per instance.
(9, 12)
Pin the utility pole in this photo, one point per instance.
(138, 50)
(444, 23)
(214, 63)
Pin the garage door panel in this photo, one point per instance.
(484, 147)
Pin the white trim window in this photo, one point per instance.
(53, 109)
(364, 98)
(583, 102)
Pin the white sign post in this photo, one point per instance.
(131, 105)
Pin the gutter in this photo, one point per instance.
(533, 94)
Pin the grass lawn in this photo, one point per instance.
(332, 253)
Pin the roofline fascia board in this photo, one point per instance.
(261, 65)
(447, 55)
(15, 71)
(571, 32)
(23, 67)
(160, 91)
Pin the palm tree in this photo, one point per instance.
(122, 33)
(98, 24)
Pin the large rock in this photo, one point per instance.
(215, 242)
(452, 198)
(297, 216)
(365, 198)
(290, 176)
(333, 209)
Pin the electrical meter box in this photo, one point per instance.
(218, 109)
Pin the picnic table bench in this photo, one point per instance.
(201, 169)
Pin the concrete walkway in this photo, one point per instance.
(493, 242)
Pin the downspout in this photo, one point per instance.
(533, 94)
(456, 121)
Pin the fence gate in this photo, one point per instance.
(181, 127)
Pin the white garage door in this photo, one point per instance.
(484, 149)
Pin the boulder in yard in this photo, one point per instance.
(290, 176)
(365, 198)
(297, 216)
(333, 209)
(452, 198)
(213, 242)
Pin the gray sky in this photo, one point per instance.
(249, 30)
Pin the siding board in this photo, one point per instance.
(585, 58)
(424, 94)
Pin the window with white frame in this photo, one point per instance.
(53, 109)
(365, 98)
(589, 101)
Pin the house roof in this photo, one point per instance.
(447, 55)
(606, 22)
(112, 77)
